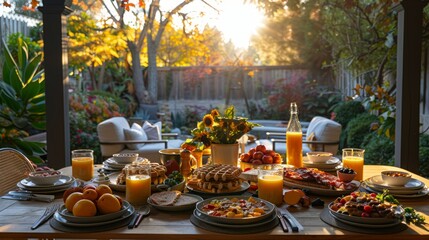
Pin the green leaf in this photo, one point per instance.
(40, 125)
(30, 90)
(37, 108)
(15, 80)
(31, 69)
(11, 102)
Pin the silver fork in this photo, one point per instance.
(46, 215)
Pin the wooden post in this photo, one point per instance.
(410, 18)
(56, 68)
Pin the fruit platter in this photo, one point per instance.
(257, 156)
(92, 206)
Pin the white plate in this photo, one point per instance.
(395, 191)
(64, 221)
(322, 191)
(363, 225)
(204, 219)
(378, 181)
(45, 190)
(331, 163)
(113, 163)
(362, 220)
(61, 182)
(269, 210)
(176, 208)
(423, 192)
(243, 187)
(64, 213)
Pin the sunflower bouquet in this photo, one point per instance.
(219, 129)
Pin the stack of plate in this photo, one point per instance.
(329, 166)
(263, 222)
(67, 219)
(414, 188)
(111, 165)
(61, 185)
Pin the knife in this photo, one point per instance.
(282, 221)
(291, 220)
(10, 197)
(29, 195)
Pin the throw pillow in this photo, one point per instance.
(153, 131)
(324, 130)
(135, 134)
(312, 137)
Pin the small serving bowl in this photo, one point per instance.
(125, 157)
(47, 177)
(319, 157)
(346, 175)
(395, 178)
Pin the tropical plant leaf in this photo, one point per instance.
(32, 68)
(38, 108)
(10, 101)
(30, 90)
(40, 125)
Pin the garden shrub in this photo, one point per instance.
(86, 111)
(344, 112)
(424, 155)
(358, 128)
(379, 149)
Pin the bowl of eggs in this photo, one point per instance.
(395, 178)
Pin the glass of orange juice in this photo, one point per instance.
(138, 183)
(354, 158)
(83, 164)
(270, 183)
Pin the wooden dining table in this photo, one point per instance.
(16, 218)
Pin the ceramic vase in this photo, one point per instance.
(225, 153)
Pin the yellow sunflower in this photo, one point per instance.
(208, 120)
(214, 113)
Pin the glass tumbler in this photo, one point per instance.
(270, 183)
(83, 164)
(138, 183)
(354, 158)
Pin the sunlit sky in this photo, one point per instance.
(235, 19)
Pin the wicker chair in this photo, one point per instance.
(14, 166)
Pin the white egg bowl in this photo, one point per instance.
(125, 157)
(48, 177)
(319, 157)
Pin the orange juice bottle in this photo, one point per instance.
(294, 138)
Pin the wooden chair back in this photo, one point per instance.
(14, 166)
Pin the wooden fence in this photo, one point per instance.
(14, 23)
(205, 83)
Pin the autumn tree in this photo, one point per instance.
(91, 47)
(323, 33)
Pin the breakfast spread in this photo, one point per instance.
(316, 178)
(361, 204)
(235, 208)
(216, 178)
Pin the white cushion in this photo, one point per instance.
(153, 131)
(324, 129)
(112, 129)
(135, 133)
